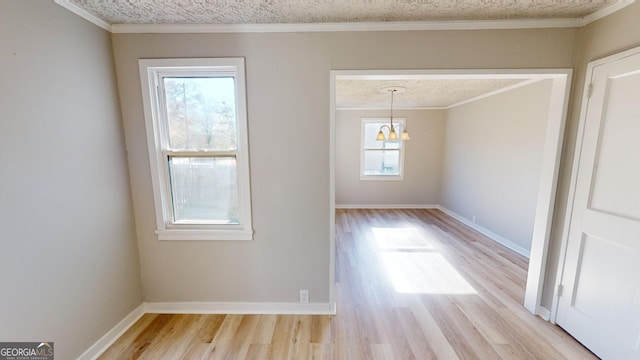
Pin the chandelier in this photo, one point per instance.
(393, 134)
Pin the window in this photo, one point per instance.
(195, 115)
(380, 160)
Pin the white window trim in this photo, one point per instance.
(399, 177)
(151, 71)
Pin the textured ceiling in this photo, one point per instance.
(365, 94)
(331, 11)
(418, 93)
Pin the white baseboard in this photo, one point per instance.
(240, 308)
(488, 233)
(112, 335)
(484, 231)
(544, 313)
(273, 308)
(387, 206)
(203, 308)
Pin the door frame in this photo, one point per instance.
(571, 197)
(558, 107)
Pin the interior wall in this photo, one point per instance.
(493, 160)
(288, 112)
(422, 160)
(69, 269)
(612, 34)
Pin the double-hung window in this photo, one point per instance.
(380, 160)
(195, 117)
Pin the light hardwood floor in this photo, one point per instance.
(411, 284)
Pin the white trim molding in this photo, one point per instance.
(544, 313)
(484, 231)
(488, 233)
(387, 206)
(561, 80)
(399, 108)
(379, 124)
(100, 346)
(240, 308)
(525, 82)
(571, 196)
(495, 92)
(161, 152)
(620, 4)
(355, 26)
(332, 189)
(545, 205)
(84, 14)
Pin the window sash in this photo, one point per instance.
(384, 152)
(384, 146)
(380, 146)
(152, 72)
(188, 190)
(163, 112)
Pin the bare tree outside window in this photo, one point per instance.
(197, 133)
(201, 114)
(201, 117)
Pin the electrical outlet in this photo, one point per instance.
(304, 296)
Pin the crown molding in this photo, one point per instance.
(620, 4)
(496, 92)
(84, 14)
(525, 82)
(339, 27)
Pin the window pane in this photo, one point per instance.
(371, 131)
(381, 162)
(204, 190)
(201, 113)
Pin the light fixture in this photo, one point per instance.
(393, 135)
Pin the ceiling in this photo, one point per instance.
(332, 11)
(353, 15)
(416, 92)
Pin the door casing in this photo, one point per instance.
(561, 83)
(574, 171)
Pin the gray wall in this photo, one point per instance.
(493, 159)
(288, 113)
(69, 270)
(422, 160)
(72, 267)
(612, 34)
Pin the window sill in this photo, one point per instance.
(382, 177)
(205, 235)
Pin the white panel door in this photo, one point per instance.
(600, 301)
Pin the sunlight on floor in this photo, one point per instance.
(407, 238)
(414, 265)
(424, 273)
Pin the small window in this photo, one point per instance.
(195, 113)
(380, 160)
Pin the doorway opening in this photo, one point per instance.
(559, 79)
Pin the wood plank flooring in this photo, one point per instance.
(411, 284)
